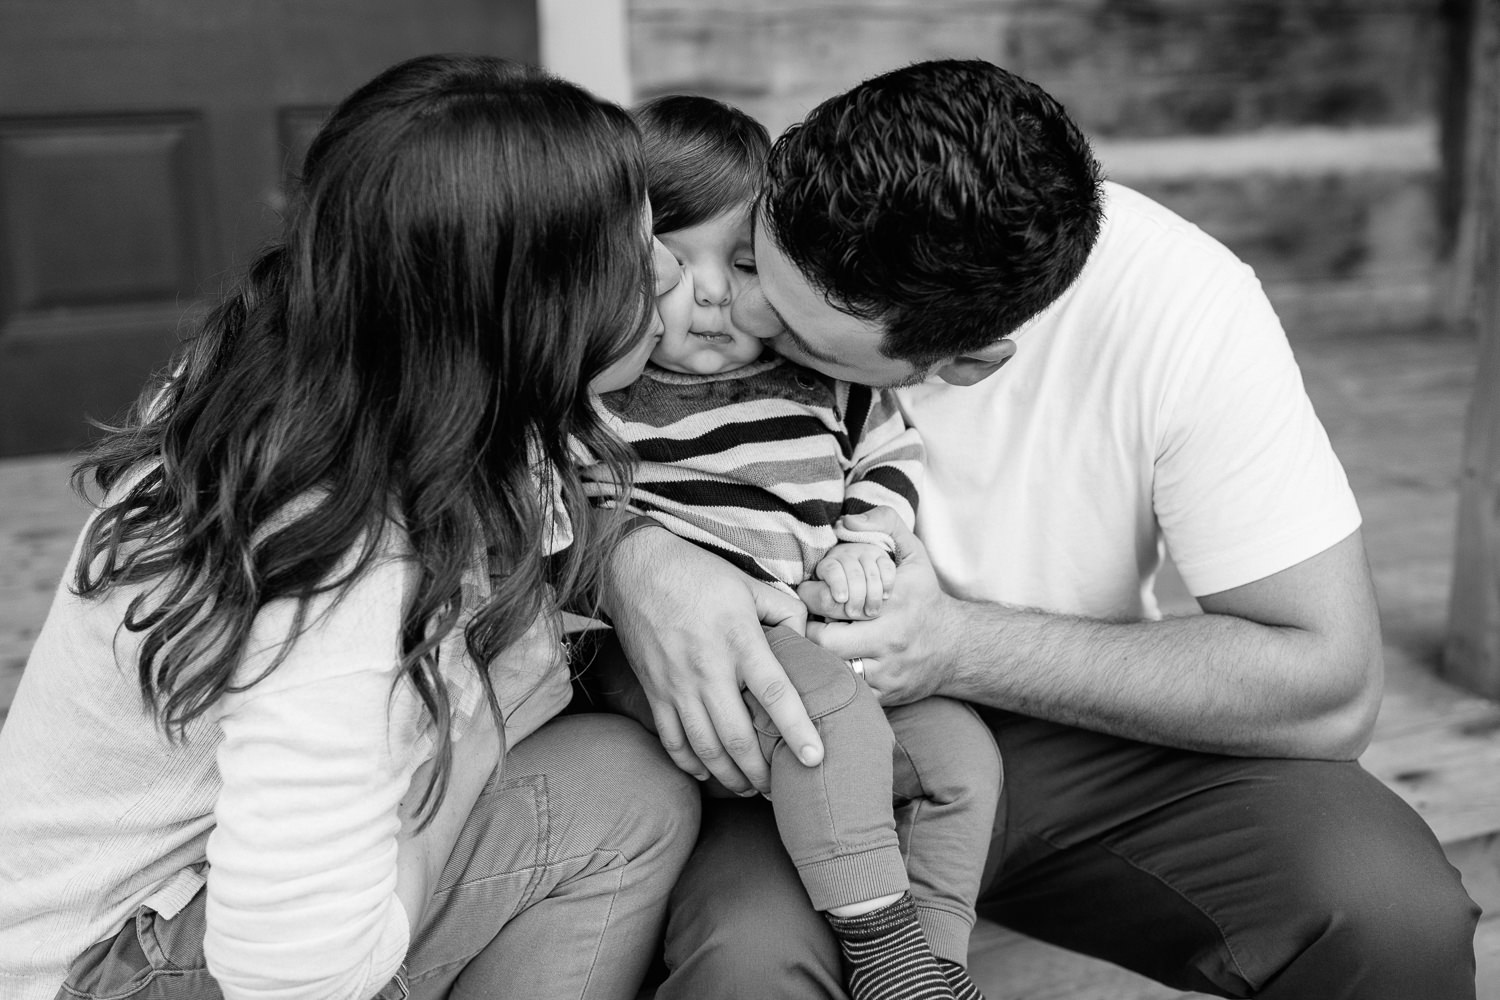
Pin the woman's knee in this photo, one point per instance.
(612, 771)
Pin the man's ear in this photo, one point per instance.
(967, 369)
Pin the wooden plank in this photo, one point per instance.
(1415, 698)
(1478, 861)
(1487, 956)
(1472, 652)
(1449, 771)
(39, 521)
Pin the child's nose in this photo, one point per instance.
(711, 289)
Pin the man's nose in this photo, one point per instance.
(752, 313)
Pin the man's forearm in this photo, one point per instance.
(1211, 682)
(615, 527)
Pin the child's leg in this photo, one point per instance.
(835, 819)
(948, 769)
(838, 826)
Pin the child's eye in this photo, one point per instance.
(748, 266)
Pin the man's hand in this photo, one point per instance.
(690, 625)
(859, 577)
(1287, 666)
(904, 652)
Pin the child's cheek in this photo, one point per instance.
(676, 306)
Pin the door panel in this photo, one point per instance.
(60, 177)
(144, 145)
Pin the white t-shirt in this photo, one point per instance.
(1156, 401)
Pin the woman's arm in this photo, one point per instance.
(307, 897)
(422, 853)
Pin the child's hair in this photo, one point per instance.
(703, 157)
(463, 254)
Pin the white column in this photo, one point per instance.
(586, 41)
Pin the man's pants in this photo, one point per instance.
(1239, 877)
(556, 887)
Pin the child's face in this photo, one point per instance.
(673, 302)
(716, 257)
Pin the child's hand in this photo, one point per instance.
(859, 576)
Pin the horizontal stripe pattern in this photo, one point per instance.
(757, 464)
(888, 956)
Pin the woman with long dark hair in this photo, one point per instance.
(289, 727)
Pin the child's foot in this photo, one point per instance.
(964, 987)
(888, 955)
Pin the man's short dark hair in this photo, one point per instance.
(949, 201)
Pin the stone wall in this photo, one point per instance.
(1304, 133)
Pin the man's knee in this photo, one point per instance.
(741, 924)
(1411, 919)
(1374, 903)
(756, 953)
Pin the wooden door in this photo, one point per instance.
(143, 147)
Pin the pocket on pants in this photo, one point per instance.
(160, 957)
(153, 957)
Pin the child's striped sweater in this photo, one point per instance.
(758, 463)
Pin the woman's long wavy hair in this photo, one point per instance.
(463, 254)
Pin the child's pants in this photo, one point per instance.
(933, 757)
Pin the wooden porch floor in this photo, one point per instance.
(1394, 404)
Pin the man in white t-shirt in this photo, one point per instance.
(1181, 795)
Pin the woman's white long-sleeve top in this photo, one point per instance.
(283, 797)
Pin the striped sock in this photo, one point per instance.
(964, 987)
(888, 955)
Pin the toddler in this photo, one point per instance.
(758, 459)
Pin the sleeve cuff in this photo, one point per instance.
(632, 523)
